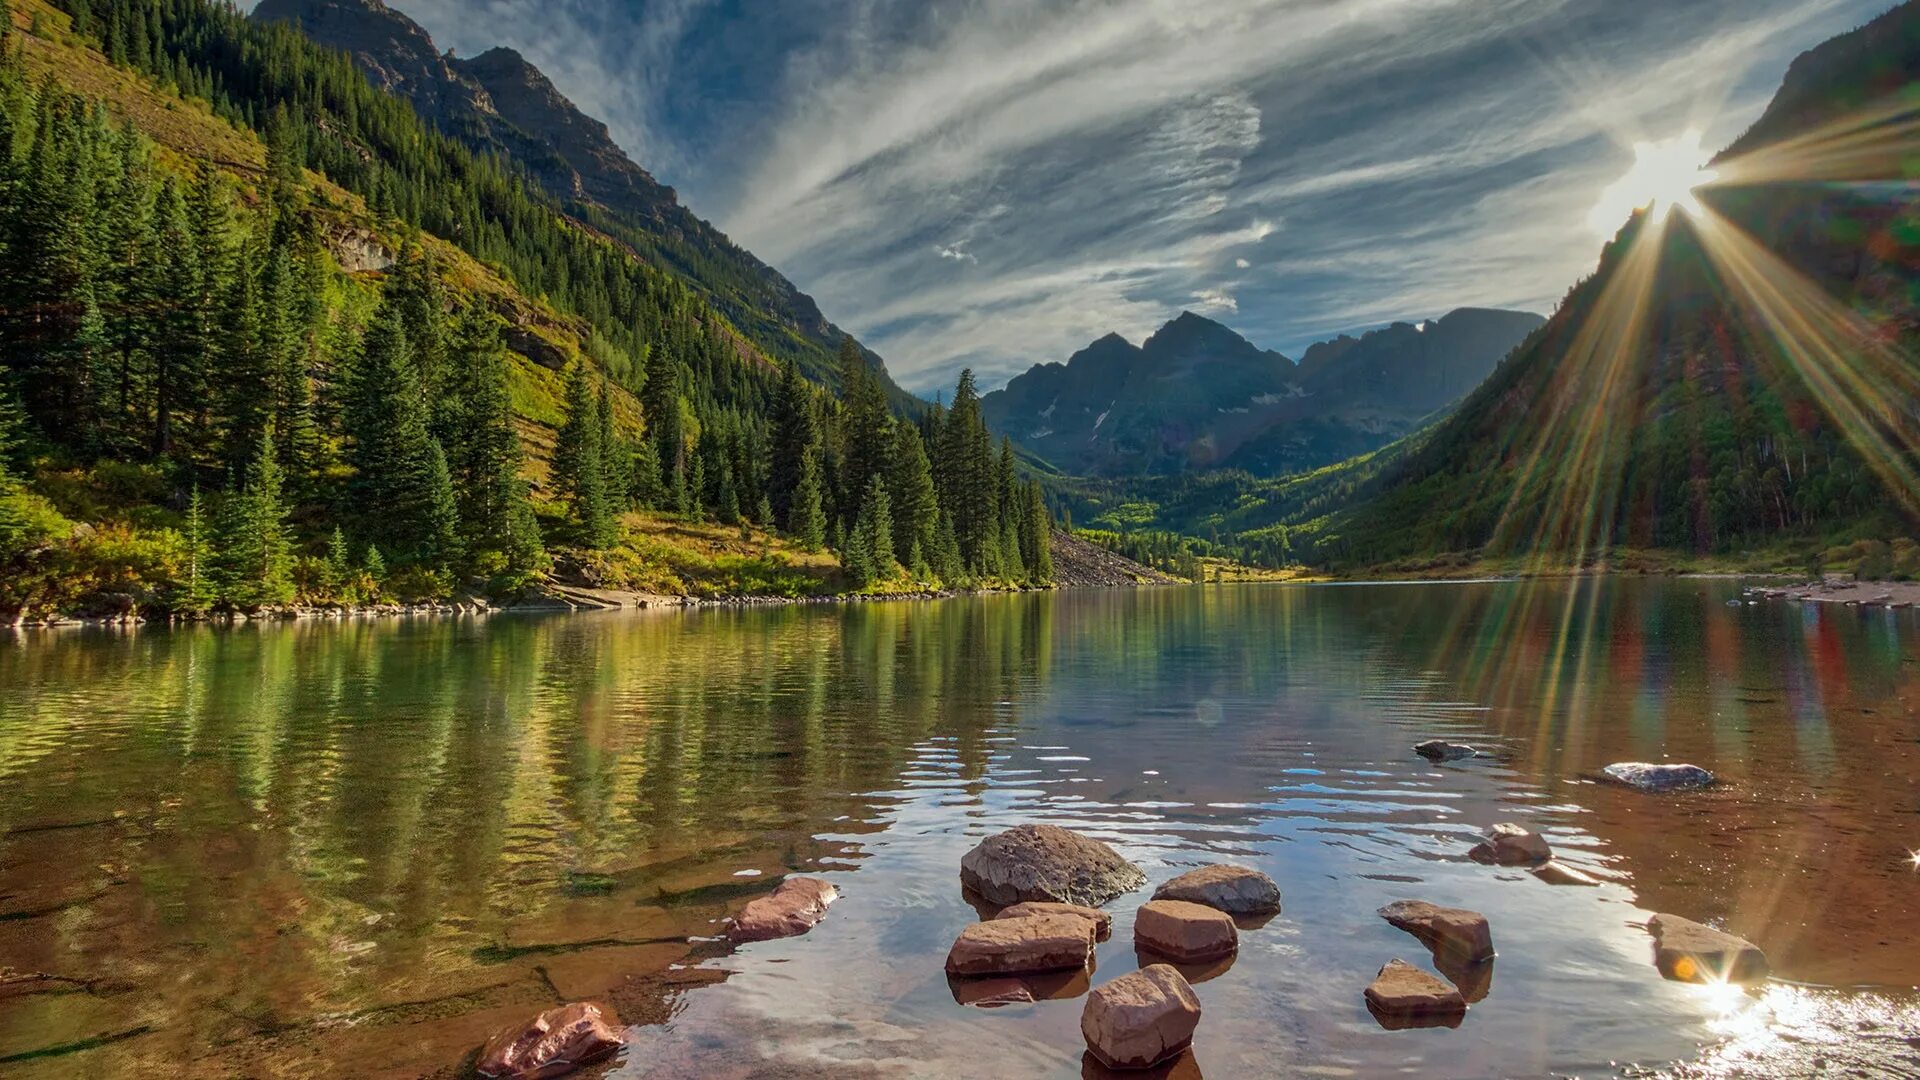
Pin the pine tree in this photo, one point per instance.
(916, 506)
(616, 461)
(966, 479)
(252, 560)
(401, 489)
(340, 569)
(1036, 536)
(661, 403)
(644, 487)
(484, 455)
(579, 470)
(807, 519)
(796, 430)
(1010, 510)
(945, 558)
(869, 552)
(267, 503)
(866, 428)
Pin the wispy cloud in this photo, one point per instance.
(997, 182)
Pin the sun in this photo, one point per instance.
(1664, 175)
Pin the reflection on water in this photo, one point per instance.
(276, 851)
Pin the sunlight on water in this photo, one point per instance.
(358, 848)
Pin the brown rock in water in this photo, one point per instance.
(993, 991)
(1140, 1019)
(1022, 946)
(1437, 750)
(1102, 922)
(990, 993)
(795, 907)
(1689, 952)
(1235, 890)
(1555, 872)
(1403, 995)
(1508, 844)
(1455, 933)
(554, 1043)
(1047, 862)
(1184, 931)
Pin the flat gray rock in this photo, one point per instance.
(1647, 776)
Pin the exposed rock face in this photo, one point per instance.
(1442, 750)
(1555, 872)
(1689, 952)
(1184, 931)
(357, 250)
(498, 103)
(1046, 862)
(1140, 1019)
(795, 907)
(1102, 922)
(1650, 777)
(1404, 991)
(1079, 564)
(554, 1043)
(1452, 933)
(1508, 844)
(1022, 946)
(1235, 890)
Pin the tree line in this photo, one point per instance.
(184, 334)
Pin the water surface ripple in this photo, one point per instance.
(355, 849)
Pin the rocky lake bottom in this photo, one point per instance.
(360, 848)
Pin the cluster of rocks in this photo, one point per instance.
(1047, 884)
(1050, 882)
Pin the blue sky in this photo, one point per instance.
(995, 183)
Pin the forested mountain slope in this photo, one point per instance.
(267, 338)
(1196, 396)
(499, 103)
(1730, 380)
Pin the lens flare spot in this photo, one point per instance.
(1664, 175)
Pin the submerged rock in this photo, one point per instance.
(1650, 777)
(1102, 922)
(1047, 862)
(1687, 951)
(795, 907)
(1235, 890)
(1555, 872)
(1402, 995)
(554, 1043)
(993, 991)
(1140, 1019)
(1454, 933)
(1442, 750)
(1184, 931)
(1022, 946)
(1507, 844)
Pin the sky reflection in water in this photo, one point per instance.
(326, 827)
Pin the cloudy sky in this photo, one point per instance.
(998, 182)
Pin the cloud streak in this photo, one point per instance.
(997, 182)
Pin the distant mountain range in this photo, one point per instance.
(1196, 395)
(497, 102)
